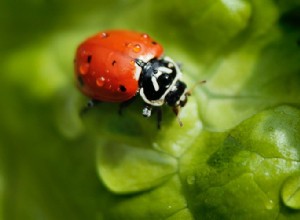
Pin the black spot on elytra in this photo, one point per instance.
(89, 58)
(154, 43)
(122, 88)
(80, 80)
(114, 62)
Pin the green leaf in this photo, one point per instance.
(236, 157)
(290, 192)
(240, 173)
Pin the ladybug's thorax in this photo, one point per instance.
(160, 83)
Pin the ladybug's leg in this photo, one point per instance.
(90, 104)
(176, 110)
(159, 117)
(147, 111)
(125, 105)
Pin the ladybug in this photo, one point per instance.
(116, 65)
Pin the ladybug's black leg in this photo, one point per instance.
(159, 117)
(90, 104)
(125, 105)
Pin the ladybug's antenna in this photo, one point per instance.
(176, 109)
(189, 92)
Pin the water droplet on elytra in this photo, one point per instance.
(132, 62)
(145, 36)
(100, 81)
(137, 48)
(128, 44)
(104, 35)
(84, 68)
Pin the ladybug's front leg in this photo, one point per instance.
(90, 104)
(147, 111)
(159, 117)
(125, 105)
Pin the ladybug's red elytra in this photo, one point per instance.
(116, 65)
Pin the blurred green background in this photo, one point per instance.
(237, 156)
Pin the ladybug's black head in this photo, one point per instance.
(177, 96)
(160, 83)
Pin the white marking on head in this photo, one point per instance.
(165, 69)
(155, 84)
(174, 88)
(170, 65)
(157, 74)
(182, 97)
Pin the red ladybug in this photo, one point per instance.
(116, 65)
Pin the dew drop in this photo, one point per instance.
(269, 204)
(146, 36)
(84, 68)
(104, 35)
(132, 62)
(137, 48)
(290, 192)
(100, 81)
(128, 44)
(155, 145)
